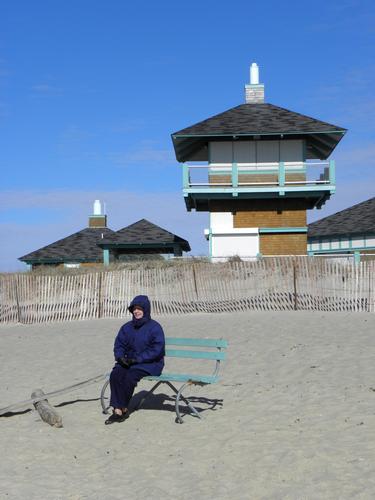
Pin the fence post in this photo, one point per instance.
(17, 299)
(195, 282)
(100, 279)
(295, 285)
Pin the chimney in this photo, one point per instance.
(97, 219)
(254, 91)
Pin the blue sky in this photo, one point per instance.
(90, 92)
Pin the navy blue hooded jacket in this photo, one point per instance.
(142, 339)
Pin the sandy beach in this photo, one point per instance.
(293, 416)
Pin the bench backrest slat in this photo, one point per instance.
(181, 353)
(196, 342)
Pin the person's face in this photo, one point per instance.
(137, 312)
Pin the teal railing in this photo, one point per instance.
(239, 176)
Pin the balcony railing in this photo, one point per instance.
(252, 177)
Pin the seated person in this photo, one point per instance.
(139, 351)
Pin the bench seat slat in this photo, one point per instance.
(182, 377)
(196, 342)
(180, 353)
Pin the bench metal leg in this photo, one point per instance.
(147, 395)
(102, 397)
(178, 393)
(180, 396)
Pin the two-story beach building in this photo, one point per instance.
(256, 169)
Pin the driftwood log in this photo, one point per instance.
(46, 411)
(65, 390)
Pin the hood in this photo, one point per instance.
(144, 302)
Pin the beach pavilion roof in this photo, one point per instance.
(257, 121)
(144, 237)
(78, 247)
(358, 219)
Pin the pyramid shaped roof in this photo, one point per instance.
(357, 219)
(78, 247)
(144, 234)
(263, 120)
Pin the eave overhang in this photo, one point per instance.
(160, 247)
(59, 260)
(319, 145)
(200, 199)
(257, 121)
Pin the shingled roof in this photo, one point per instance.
(78, 247)
(357, 219)
(144, 234)
(264, 120)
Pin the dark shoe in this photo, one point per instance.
(116, 418)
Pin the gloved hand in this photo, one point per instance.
(125, 362)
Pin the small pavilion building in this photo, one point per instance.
(349, 232)
(142, 237)
(256, 169)
(97, 244)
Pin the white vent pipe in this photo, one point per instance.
(97, 208)
(254, 74)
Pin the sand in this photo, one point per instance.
(294, 414)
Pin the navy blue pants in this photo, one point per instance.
(123, 381)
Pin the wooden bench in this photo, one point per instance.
(201, 349)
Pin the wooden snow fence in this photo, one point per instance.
(280, 283)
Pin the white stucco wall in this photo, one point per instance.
(227, 241)
(221, 221)
(243, 245)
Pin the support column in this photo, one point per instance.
(177, 251)
(357, 257)
(106, 256)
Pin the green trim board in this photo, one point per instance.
(282, 175)
(257, 133)
(137, 245)
(332, 172)
(199, 199)
(268, 230)
(60, 260)
(341, 250)
(233, 171)
(256, 189)
(185, 175)
(106, 256)
(343, 242)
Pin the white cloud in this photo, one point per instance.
(145, 152)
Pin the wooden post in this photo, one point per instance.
(17, 299)
(99, 310)
(195, 281)
(47, 412)
(295, 284)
